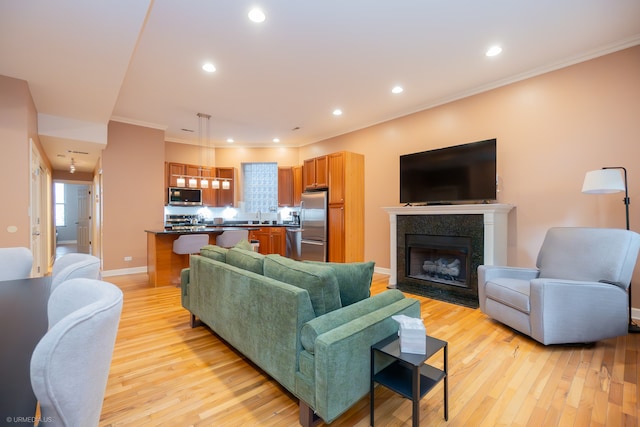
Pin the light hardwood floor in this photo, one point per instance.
(165, 373)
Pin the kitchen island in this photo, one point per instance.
(164, 266)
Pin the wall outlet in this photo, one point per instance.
(128, 258)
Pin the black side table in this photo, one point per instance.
(409, 375)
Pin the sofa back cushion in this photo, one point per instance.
(214, 252)
(246, 259)
(589, 254)
(354, 279)
(319, 280)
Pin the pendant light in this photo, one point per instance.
(205, 149)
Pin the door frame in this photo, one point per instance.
(40, 214)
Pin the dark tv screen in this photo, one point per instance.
(462, 173)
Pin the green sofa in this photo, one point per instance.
(309, 325)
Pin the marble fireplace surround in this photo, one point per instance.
(494, 223)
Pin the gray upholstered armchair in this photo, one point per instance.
(72, 266)
(70, 364)
(577, 293)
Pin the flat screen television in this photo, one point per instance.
(462, 173)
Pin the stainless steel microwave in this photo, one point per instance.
(185, 196)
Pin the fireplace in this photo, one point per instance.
(432, 236)
(443, 260)
(438, 256)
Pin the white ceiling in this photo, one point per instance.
(139, 61)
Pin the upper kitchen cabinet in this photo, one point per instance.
(285, 186)
(297, 185)
(210, 196)
(315, 173)
(226, 197)
(174, 171)
(177, 171)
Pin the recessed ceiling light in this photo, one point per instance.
(230, 140)
(257, 15)
(397, 89)
(337, 112)
(276, 139)
(493, 51)
(209, 67)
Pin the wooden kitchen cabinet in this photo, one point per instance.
(285, 186)
(315, 173)
(336, 241)
(210, 196)
(272, 240)
(226, 197)
(346, 207)
(297, 185)
(173, 172)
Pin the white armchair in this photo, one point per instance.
(72, 266)
(70, 364)
(15, 263)
(577, 293)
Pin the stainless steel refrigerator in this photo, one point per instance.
(313, 222)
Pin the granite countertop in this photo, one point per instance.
(194, 229)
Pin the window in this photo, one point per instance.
(61, 220)
(260, 186)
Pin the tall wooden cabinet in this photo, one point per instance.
(346, 207)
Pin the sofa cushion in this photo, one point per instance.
(318, 326)
(510, 292)
(244, 244)
(319, 280)
(245, 259)
(214, 252)
(354, 279)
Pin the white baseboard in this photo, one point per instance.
(635, 313)
(382, 270)
(124, 271)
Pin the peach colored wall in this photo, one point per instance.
(132, 193)
(551, 129)
(189, 154)
(18, 123)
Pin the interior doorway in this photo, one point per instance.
(72, 216)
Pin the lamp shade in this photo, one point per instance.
(603, 181)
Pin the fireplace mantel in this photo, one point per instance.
(495, 217)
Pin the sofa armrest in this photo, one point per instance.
(343, 357)
(184, 287)
(489, 272)
(566, 311)
(318, 326)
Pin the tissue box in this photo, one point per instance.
(413, 340)
(413, 335)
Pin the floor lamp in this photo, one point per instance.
(605, 181)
